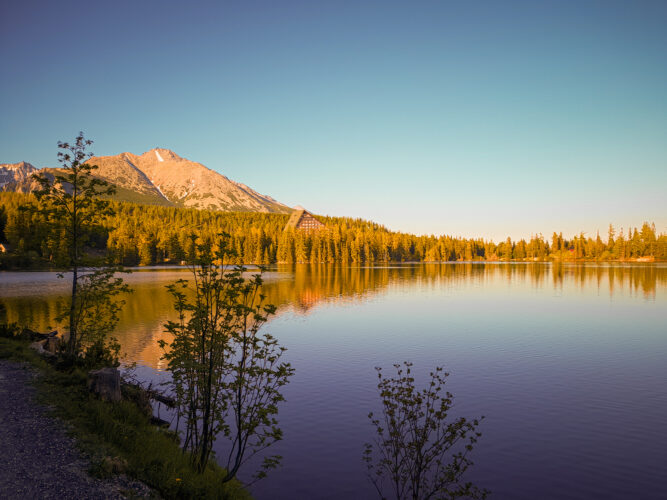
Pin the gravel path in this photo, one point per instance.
(37, 458)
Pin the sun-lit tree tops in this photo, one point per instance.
(145, 235)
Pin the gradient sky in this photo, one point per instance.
(471, 118)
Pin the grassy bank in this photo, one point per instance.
(119, 437)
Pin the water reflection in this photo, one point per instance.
(567, 361)
(33, 299)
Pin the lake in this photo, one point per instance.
(567, 362)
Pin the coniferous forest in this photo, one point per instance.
(149, 235)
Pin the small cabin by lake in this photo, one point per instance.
(303, 220)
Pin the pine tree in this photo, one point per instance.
(71, 199)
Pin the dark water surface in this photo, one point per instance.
(568, 363)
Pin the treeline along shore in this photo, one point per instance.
(148, 235)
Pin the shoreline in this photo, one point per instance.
(63, 443)
(251, 267)
(46, 462)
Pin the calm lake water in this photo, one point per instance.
(568, 363)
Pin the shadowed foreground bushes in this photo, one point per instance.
(119, 437)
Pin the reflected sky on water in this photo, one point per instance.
(567, 362)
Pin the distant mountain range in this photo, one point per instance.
(157, 177)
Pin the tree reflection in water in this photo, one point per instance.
(32, 299)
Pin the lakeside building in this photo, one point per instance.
(303, 220)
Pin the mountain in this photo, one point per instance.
(17, 177)
(162, 173)
(161, 177)
(131, 183)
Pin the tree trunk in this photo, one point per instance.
(71, 345)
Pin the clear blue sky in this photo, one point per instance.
(473, 118)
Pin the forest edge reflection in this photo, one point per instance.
(33, 298)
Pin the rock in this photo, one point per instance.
(105, 383)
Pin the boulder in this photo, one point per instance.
(105, 383)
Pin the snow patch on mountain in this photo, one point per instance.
(157, 153)
(158, 188)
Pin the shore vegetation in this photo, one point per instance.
(420, 451)
(118, 437)
(226, 375)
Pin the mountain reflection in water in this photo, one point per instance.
(566, 361)
(34, 298)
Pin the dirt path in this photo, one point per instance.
(37, 458)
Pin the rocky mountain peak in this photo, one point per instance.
(22, 165)
(160, 176)
(17, 177)
(160, 155)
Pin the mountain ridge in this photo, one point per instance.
(158, 176)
